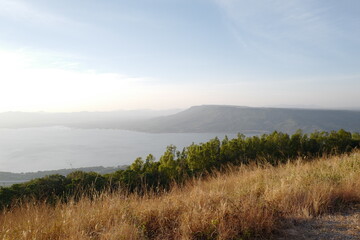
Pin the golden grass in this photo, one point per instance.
(246, 202)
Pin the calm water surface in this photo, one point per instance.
(50, 148)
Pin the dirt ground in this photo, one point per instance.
(344, 225)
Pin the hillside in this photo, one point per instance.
(111, 119)
(290, 201)
(205, 118)
(234, 119)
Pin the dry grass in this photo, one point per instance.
(247, 202)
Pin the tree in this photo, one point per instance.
(168, 163)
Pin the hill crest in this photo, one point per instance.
(232, 119)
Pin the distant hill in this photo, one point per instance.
(233, 119)
(205, 118)
(111, 119)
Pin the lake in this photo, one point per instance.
(51, 148)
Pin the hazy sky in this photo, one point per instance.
(158, 54)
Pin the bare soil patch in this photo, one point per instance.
(344, 225)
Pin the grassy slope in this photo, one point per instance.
(244, 203)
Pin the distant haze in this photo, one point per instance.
(48, 141)
(110, 119)
(203, 118)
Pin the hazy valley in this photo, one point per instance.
(197, 119)
(49, 141)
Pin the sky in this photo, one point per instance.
(89, 55)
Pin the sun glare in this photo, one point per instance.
(27, 87)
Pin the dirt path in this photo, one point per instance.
(338, 226)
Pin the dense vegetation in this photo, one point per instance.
(178, 166)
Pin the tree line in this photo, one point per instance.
(177, 166)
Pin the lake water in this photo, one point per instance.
(51, 148)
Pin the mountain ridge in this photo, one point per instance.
(197, 119)
(227, 118)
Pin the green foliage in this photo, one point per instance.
(168, 162)
(176, 166)
(205, 156)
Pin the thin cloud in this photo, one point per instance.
(23, 11)
(277, 22)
